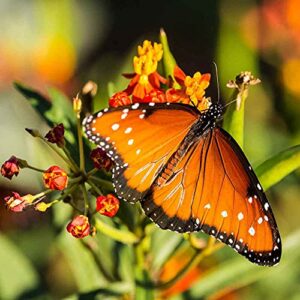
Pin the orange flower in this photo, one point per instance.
(107, 205)
(10, 168)
(16, 203)
(145, 79)
(119, 99)
(192, 89)
(79, 227)
(55, 178)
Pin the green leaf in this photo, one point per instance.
(18, 275)
(62, 112)
(81, 261)
(168, 58)
(279, 166)
(142, 293)
(58, 110)
(37, 100)
(239, 272)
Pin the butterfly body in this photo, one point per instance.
(188, 174)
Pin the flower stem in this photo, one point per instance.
(35, 169)
(80, 144)
(73, 167)
(72, 162)
(103, 182)
(86, 200)
(125, 237)
(94, 187)
(92, 172)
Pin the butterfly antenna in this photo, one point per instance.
(232, 101)
(217, 78)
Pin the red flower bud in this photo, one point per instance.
(107, 205)
(119, 99)
(79, 227)
(10, 168)
(16, 203)
(56, 135)
(100, 159)
(55, 178)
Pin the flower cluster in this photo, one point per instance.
(147, 85)
(57, 179)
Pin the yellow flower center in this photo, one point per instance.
(148, 57)
(195, 87)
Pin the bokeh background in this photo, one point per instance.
(51, 44)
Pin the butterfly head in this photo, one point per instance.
(213, 113)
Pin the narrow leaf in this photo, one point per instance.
(279, 166)
(168, 58)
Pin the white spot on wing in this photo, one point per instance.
(207, 206)
(240, 216)
(135, 106)
(128, 130)
(130, 142)
(250, 199)
(251, 231)
(266, 206)
(260, 220)
(115, 126)
(259, 187)
(224, 214)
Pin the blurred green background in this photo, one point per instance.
(63, 44)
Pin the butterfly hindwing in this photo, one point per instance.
(212, 188)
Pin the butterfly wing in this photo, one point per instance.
(212, 188)
(140, 139)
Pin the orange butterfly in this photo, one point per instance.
(188, 174)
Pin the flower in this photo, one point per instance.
(192, 89)
(119, 99)
(10, 168)
(56, 135)
(155, 95)
(55, 178)
(79, 227)
(100, 159)
(107, 205)
(16, 203)
(145, 79)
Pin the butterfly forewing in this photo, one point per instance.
(140, 139)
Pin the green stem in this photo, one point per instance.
(35, 169)
(103, 182)
(72, 162)
(80, 144)
(92, 172)
(94, 187)
(58, 152)
(86, 200)
(125, 237)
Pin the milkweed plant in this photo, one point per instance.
(133, 259)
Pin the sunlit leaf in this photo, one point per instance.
(279, 166)
(168, 58)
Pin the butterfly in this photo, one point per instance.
(188, 174)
